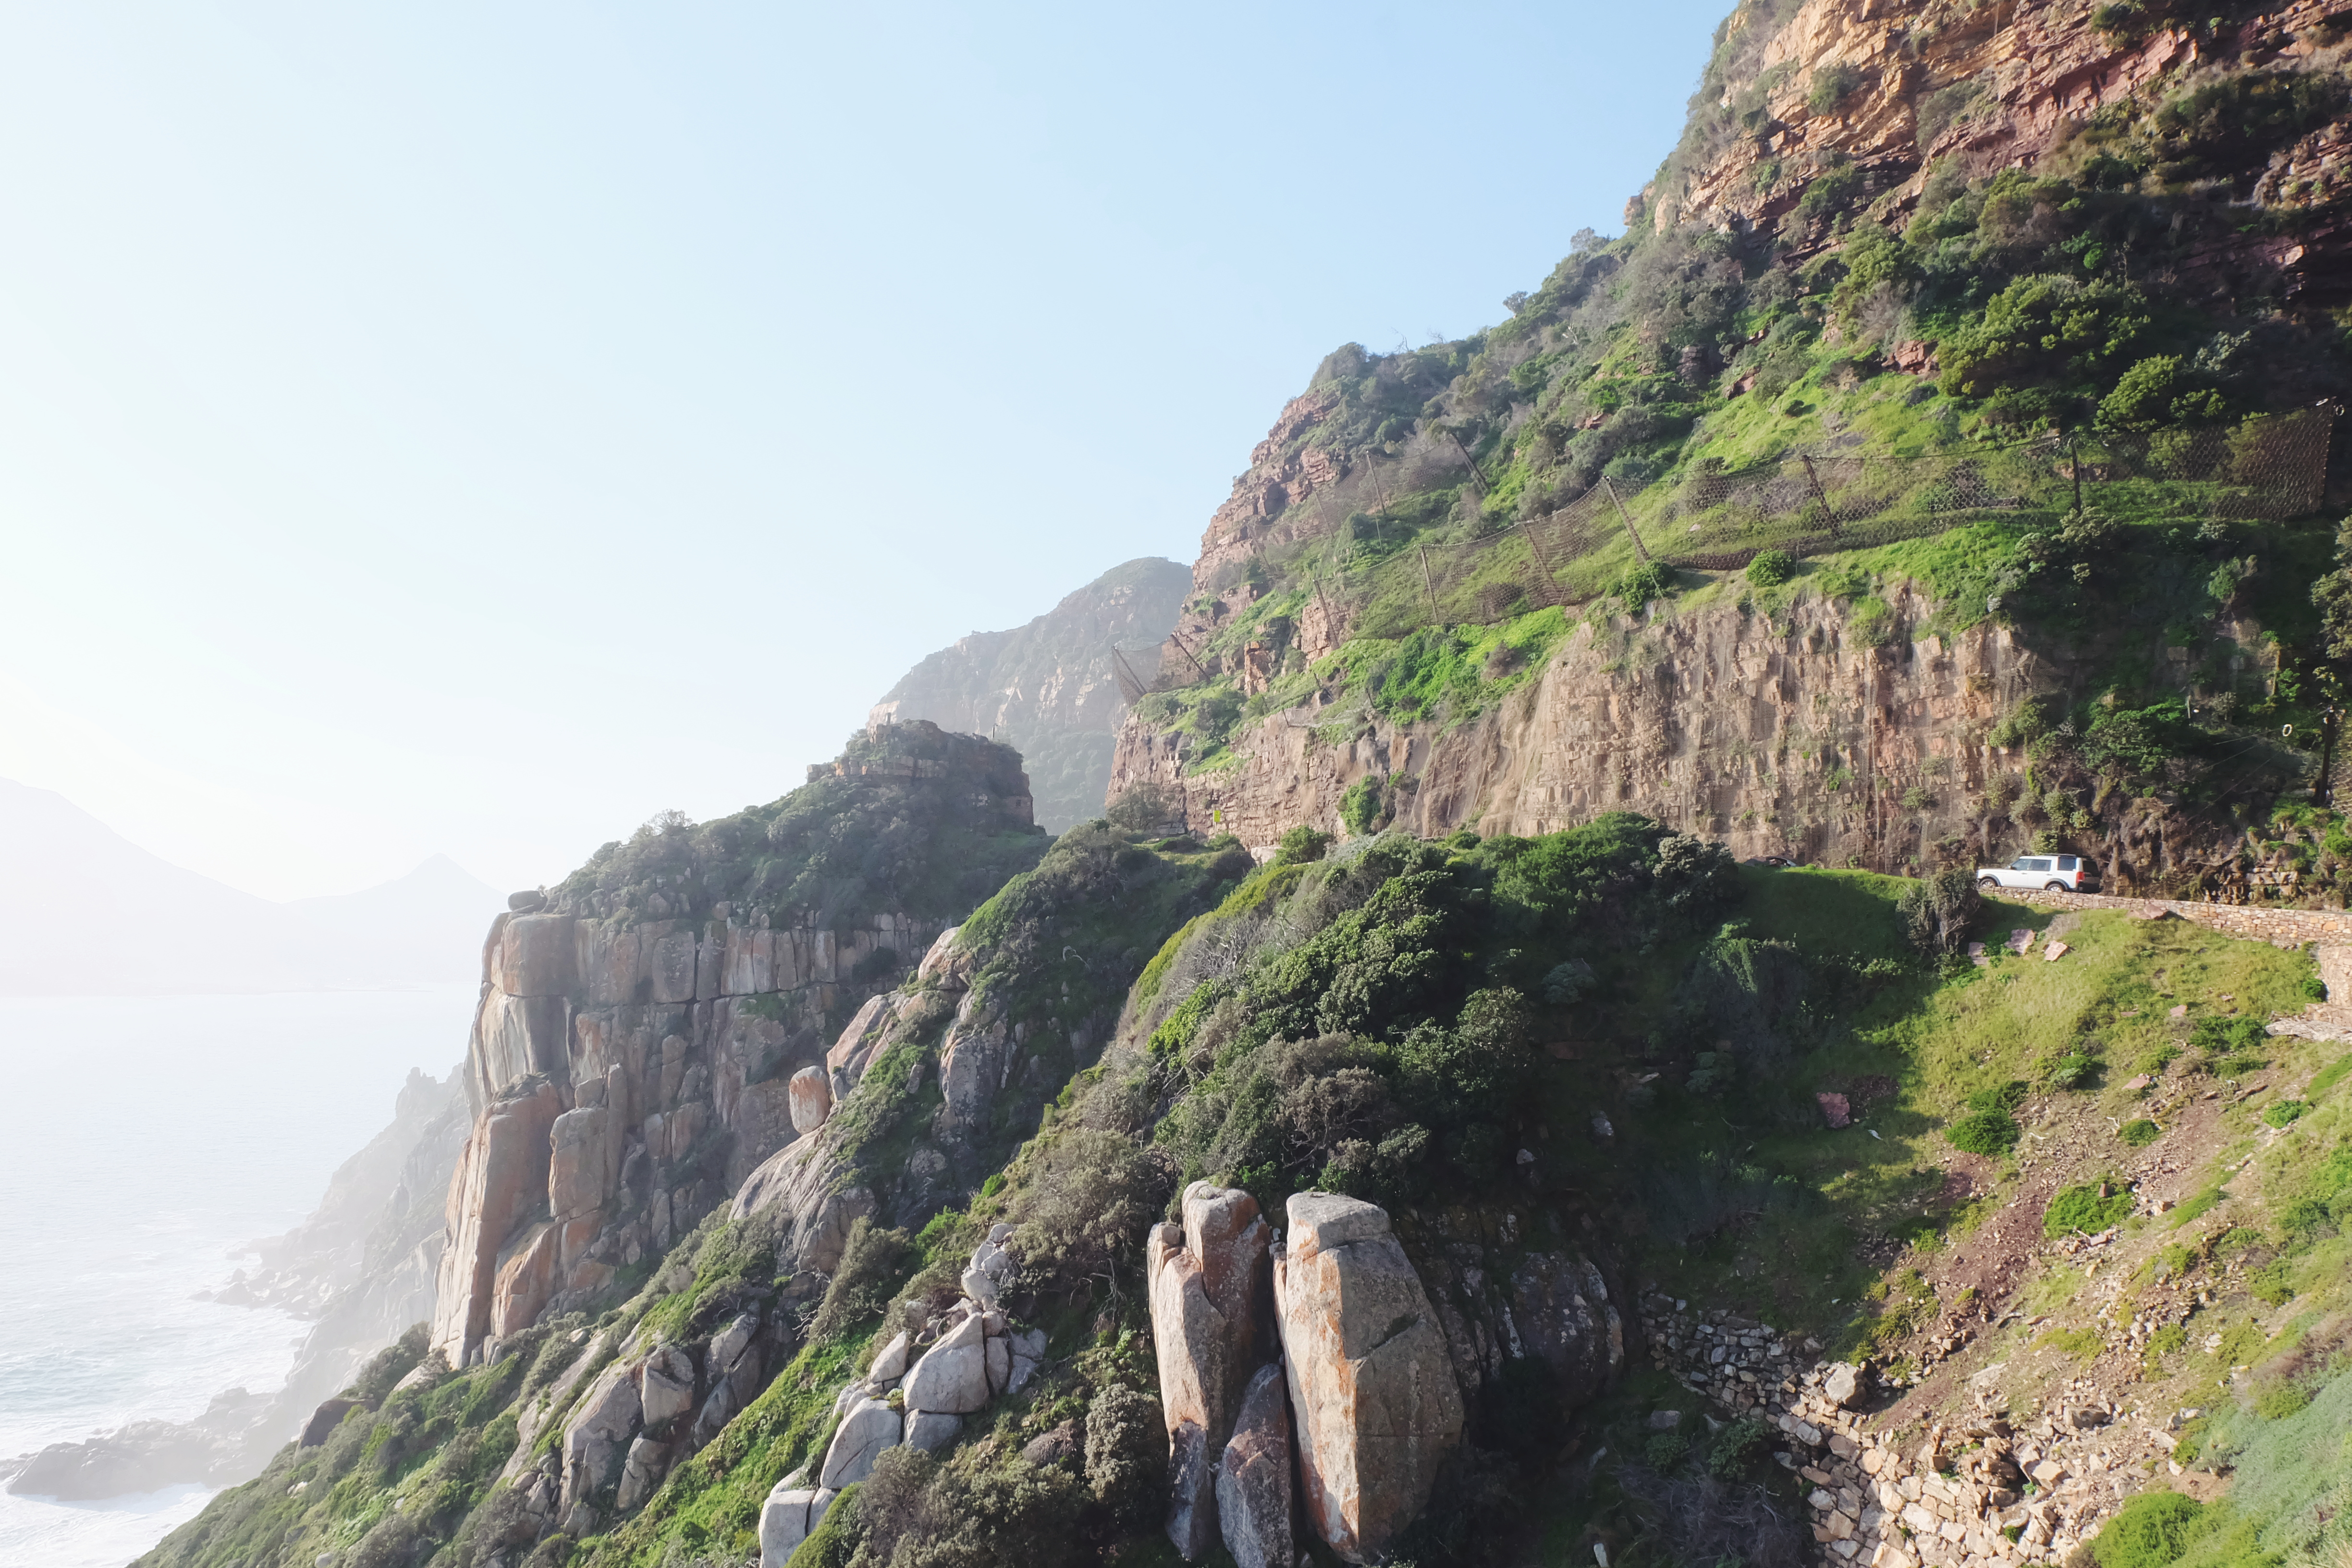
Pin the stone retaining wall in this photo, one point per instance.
(1954, 1497)
(2280, 928)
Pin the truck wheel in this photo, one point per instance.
(2057, 887)
(1988, 883)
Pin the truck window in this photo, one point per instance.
(2065, 862)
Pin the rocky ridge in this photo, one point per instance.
(1049, 688)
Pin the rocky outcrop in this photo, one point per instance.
(1210, 1291)
(629, 1073)
(1370, 1380)
(1501, 1295)
(1253, 1492)
(1050, 687)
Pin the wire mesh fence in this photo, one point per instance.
(1806, 503)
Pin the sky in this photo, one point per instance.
(473, 430)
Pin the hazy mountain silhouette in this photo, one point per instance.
(83, 911)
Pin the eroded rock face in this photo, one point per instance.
(501, 1177)
(953, 1376)
(1209, 1283)
(1370, 1380)
(1253, 1491)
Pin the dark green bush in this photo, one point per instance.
(2005, 1099)
(2281, 1113)
(1360, 808)
(1833, 85)
(874, 1261)
(1936, 910)
(1985, 1133)
(2152, 1531)
(1772, 568)
(1645, 583)
(1738, 1448)
(2076, 1069)
(1301, 846)
(1127, 1456)
(2139, 1134)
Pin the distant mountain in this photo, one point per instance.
(88, 913)
(1048, 688)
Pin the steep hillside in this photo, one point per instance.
(1050, 688)
(1950, 428)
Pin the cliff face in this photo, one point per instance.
(1761, 730)
(1049, 688)
(627, 1073)
(1896, 89)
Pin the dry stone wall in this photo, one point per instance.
(1961, 1494)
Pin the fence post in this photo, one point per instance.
(1639, 548)
(1815, 480)
(1543, 562)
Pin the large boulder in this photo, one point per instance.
(812, 1100)
(595, 1440)
(1207, 1280)
(953, 1376)
(786, 1519)
(586, 1164)
(1370, 1383)
(1254, 1501)
(869, 1428)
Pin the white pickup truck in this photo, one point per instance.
(2052, 873)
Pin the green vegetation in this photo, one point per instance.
(2139, 1132)
(2087, 1207)
(2152, 1531)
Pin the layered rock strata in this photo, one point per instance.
(1370, 1379)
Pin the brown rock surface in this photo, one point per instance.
(1208, 1285)
(1370, 1384)
(501, 1177)
(1253, 1490)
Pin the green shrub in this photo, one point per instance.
(2198, 1206)
(1772, 568)
(1645, 583)
(2170, 1340)
(1832, 86)
(2152, 1531)
(2075, 1342)
(1127, 1456)
(2007, 1098)
(1301, 846)
(2083, 1208)
(1360, 808)
(2281, 1400)
(1936, 910)
(1738, 1449)
(2282, 1111)
(2076, 1069)
(1985, 1133)
(2269, 1285)
(2139, 1134)
(1664, 1450)
(872, 1262)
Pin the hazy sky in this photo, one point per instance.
(476, 429)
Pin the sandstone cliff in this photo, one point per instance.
(628, 1073)
(1050, 688)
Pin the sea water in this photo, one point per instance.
(145, 1138)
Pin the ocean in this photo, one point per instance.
(146, 1138)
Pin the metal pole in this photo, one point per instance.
(1815, 480)
(1543, 564)
(1434, 618)
(2074, 461)
(1639, 548)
